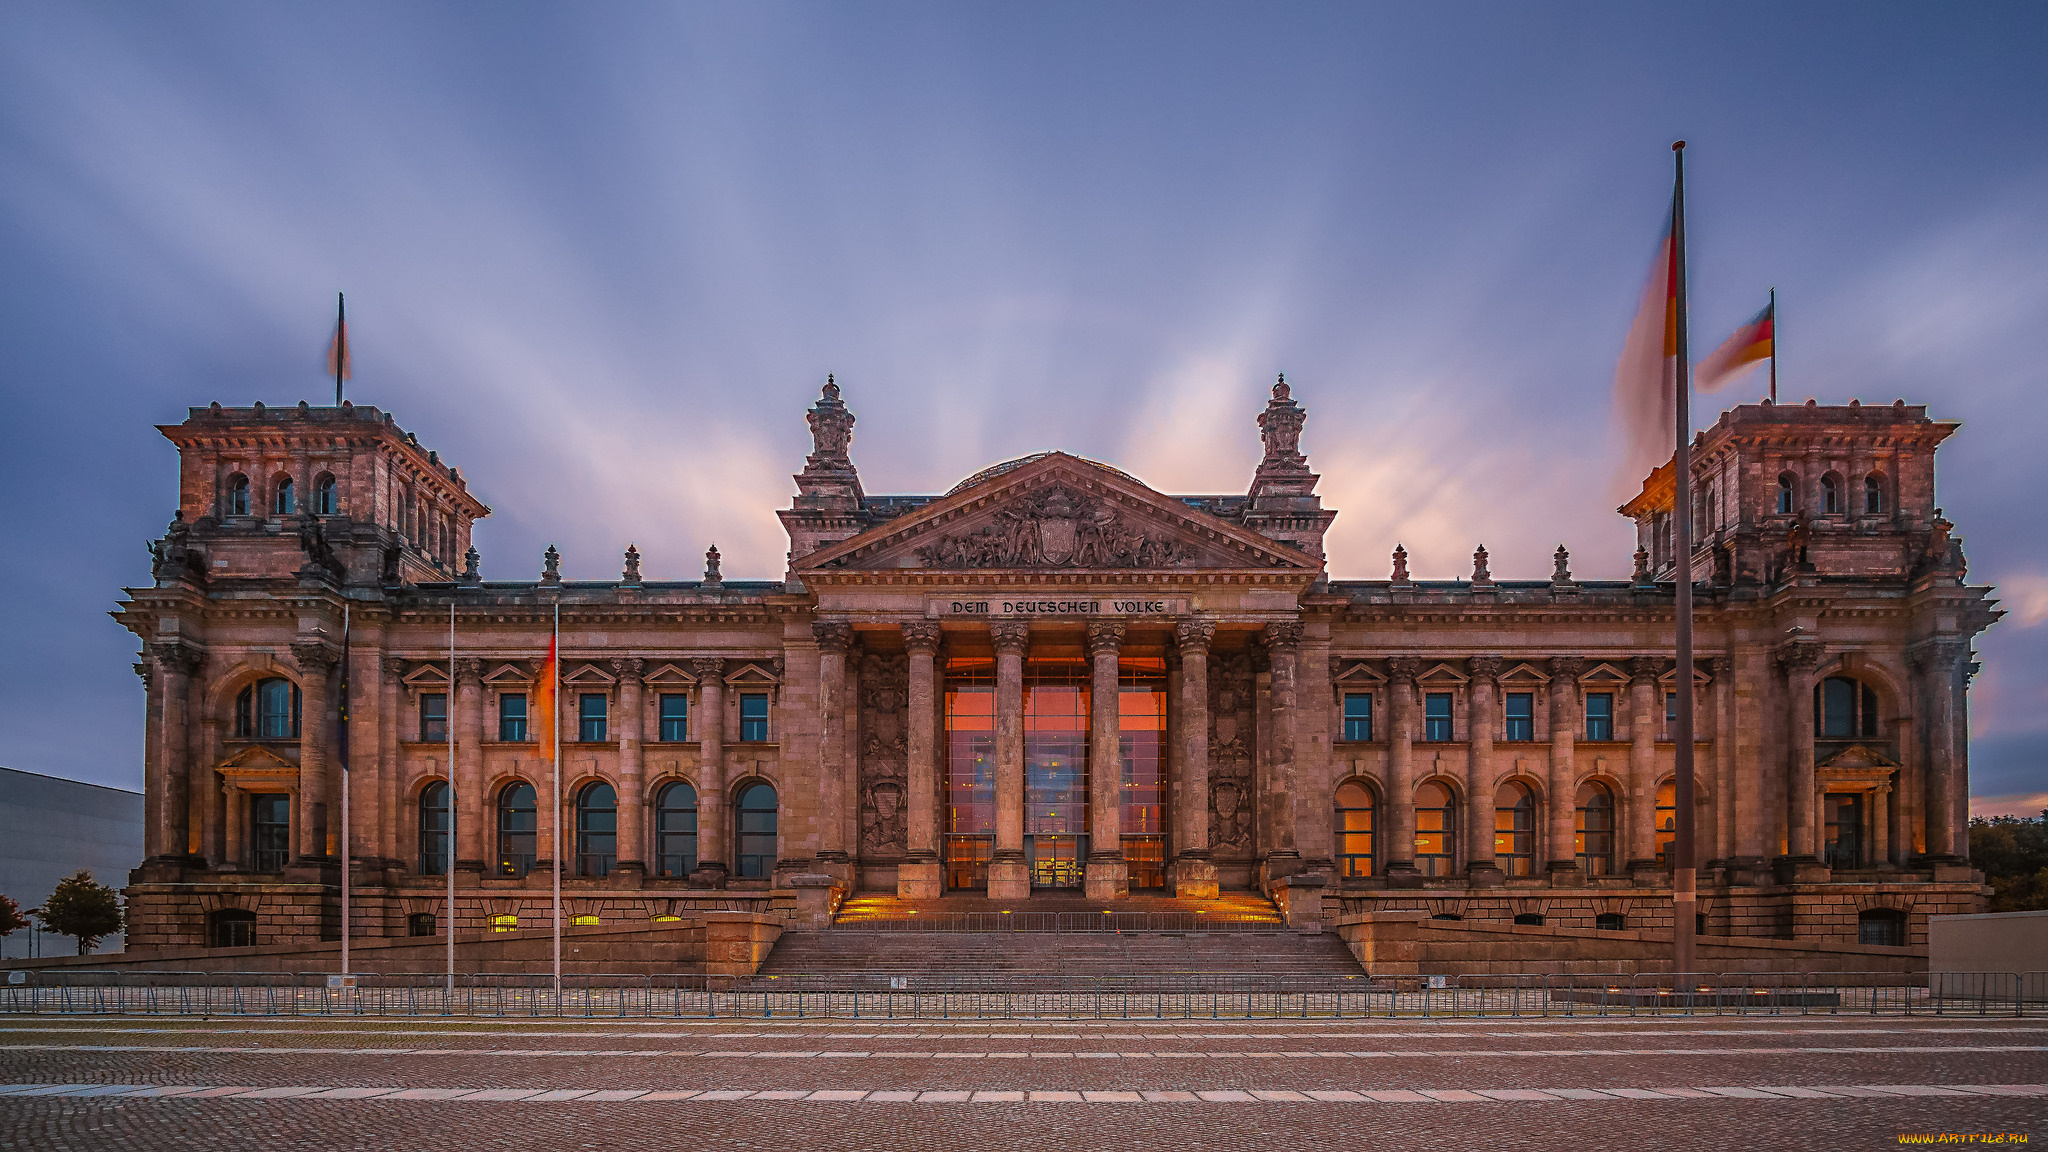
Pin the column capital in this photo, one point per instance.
(1010, 635)
(922, 636)
(1404, 669)
(1566, 668)
(833, 635)
(1283, 634)
(394, 666)
(469, 670)
(628, 669)
(708, 668)
(1800, 657)
(315, 656)
(1722, 667)
(1194, 635)
(1644, 669)
(1486, 668)
(1105, 637)
(1938, 655)
(178, 657)
(143, 670)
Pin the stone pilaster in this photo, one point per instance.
(314, 838)
(1562, 843)
(1193, 874)
(1107, 877)
(1800, 659)
(712, 832)
(1400, 838)
(1009, 874)
(1641, 810)
(391, 773)
(919, 877)
(1482, 867)
(631, 863)
(177, 662)
(1940, 668)
(473, 823)
(1722, 779)
(1277, 789)
(834, 638)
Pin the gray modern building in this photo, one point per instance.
(50, 828)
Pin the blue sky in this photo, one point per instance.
(601, 256)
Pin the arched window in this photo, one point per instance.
(755, 817)
(434, 846)
(231, 928)
(1844, 709)
(1436, 830)
(1831, 495)
(1595, 829)
(518, 820)
(1354, 829)
(1667, 820)
(282, 503)
(419, 924)
(597, 830)
(268, 710)
(675, 831)
(1514, 829)
(238, 495)
(1884, 926)
(1610, 922)
(1788, 485)
(1873, 494)
(326, 497)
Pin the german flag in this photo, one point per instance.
(1752, 343)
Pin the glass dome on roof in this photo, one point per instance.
(995, 470)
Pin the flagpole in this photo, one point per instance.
(1684, 898)
(448, 861)
(555, 687)
(342, 741)
(341, 340)
(1774, 344)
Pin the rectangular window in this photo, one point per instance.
(1599, 715)
(1357, 716)
(1436, 716)
(434, 717)
(590, 716)
(270, 821)
(753, 716)
(1670, 715)
(675, 717)
(512, 716)
(1521, 716)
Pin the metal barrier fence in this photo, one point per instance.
(1178, 996)
(1064, 922)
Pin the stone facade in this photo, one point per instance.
(1052, 677)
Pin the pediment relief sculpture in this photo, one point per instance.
(1057, 528)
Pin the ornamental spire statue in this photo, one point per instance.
(829, 478)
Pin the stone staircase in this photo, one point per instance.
(962, 938)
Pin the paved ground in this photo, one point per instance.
(1722, 1083)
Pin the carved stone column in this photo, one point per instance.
(1799, 660)
(1276, 807)
(834, 638)
(711, 806)
(391, 773)
(472, 831)
(314, 838)
(1482, 866)
(1940, 665)
(231, 848)
(1723, 779)
(1562, 843)
(177, 662)
(918, 878)
(1400, 801)
(1193, 875)
(1107, 876)
(155, 834)
(631, 867)
(1641, 811)
(1009, 876)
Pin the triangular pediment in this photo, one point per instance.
(1525, 675)
(508, 674)
(669, 675)
(1057, 512)
(258, 759)
(1857, 756)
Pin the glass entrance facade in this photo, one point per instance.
(970, 770)
(1056, 770)
(1141, 724)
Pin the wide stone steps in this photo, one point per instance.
(843, 951)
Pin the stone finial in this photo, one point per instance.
(1641, 576)
(631, 575)
(1480, 575)
(831, 429)
(1400, 566)
(551, 567)
(1561, 568)
(1280, 428)
(712, 577)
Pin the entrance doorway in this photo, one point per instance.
(1056, 860)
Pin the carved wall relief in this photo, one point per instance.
(1231, 745)
(884, 756)
(1056, 528)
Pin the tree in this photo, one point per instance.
(82, 907)
(2014, 856)
(11, 919)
